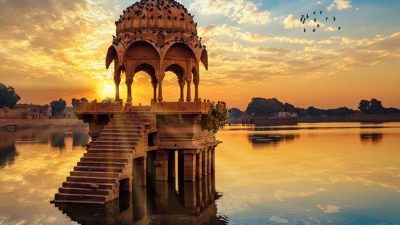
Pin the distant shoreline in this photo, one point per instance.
(17, 124)
(357, 118)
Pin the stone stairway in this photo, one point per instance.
(108, 160)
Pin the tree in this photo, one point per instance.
(363, 106)
(75, 102)
(216, 118)
(8, 96)
(312, 111)
(235, 112)
(264, 107)
(58, 107)
(372, 107)
(289, 108)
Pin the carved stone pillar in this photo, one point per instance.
(205, 162)
(182, 86)
(129, 87)
(161, 164)
(154, 91)
(189, 164)
(196, 92)
(160, 95)
(117, 81)
(189, 94)
(199, 164)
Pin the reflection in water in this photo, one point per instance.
(325, 176)
(260, 141)
(160, 203)
(371, 137)
(56, 138)
(7, 155)
(80, 138)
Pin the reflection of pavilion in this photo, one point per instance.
(159, 203)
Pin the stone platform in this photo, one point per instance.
(149, 144)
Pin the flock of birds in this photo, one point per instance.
(305, 18)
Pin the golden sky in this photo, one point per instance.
(52, 49)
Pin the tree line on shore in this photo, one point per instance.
(269, 107)
(9, 99)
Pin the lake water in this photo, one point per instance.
(344, 173)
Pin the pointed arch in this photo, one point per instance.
(111, 56)
(204, 58)
(179, 51)
(141, 50)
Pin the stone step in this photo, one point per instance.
(85, 191)
(114, 145)
(103, 159)
(118, 148)
(102, 164)
(106, 180)
(125, 125)
(135, 118)
(122, 135)
(110, 151)
(88, 185)
(80, 197)
(108, 155)
(77, 202)
(98, 169)
(94, 174)
(121, 130)
(122, 139)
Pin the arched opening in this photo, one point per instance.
(180, 51)
(144, 84)
(174, 83)
(141, 58)
(179, 58)
(141, 50)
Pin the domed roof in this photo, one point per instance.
(156, 15)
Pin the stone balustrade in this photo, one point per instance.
(98, 108)
(156, 107)
(180, 107)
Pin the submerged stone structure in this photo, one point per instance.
(147, 144)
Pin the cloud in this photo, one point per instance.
(329, 209)
(60, 41)
(241, 11)
(283, 195)
(279, 220)
(237, 55)
(213, 31)
(340, 5)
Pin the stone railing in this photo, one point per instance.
(181, 107)
(98, 108)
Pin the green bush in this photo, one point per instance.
(216, 118)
